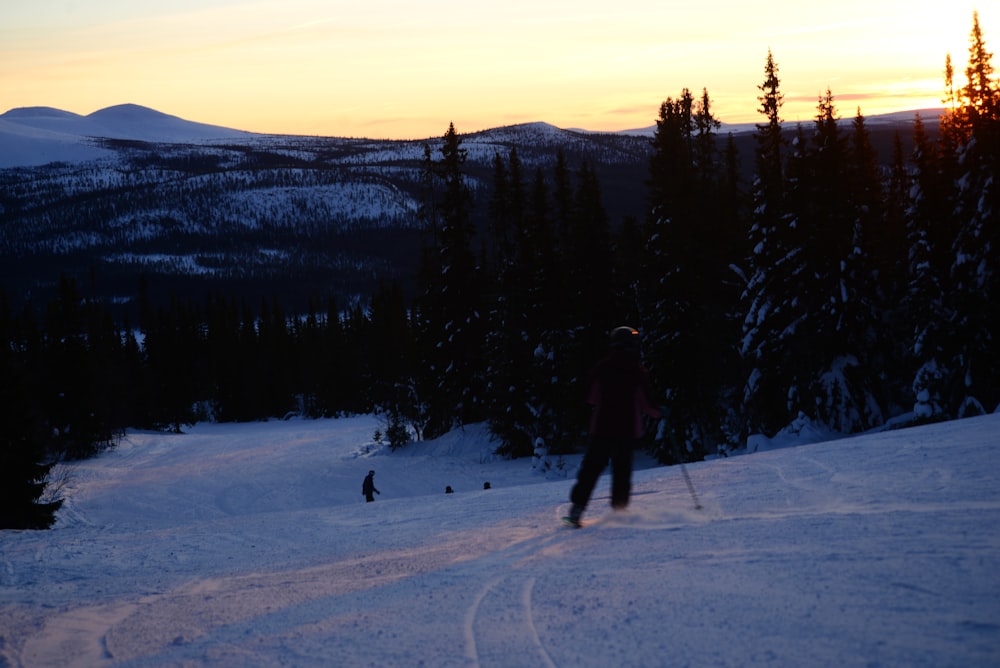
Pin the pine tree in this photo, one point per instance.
(509, 399)
(774, 249)
(867, 285)
(450, 305)
(976, 268)
(890, 253)
(523, 341)
(25, 461)
(928, 241)
(72, 351)
(686, 292)
(838, 190)
(589, 301)
(391, 356)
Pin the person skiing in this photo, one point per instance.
(368, 487)
(619, 389)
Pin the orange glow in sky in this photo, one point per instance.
(401, 69)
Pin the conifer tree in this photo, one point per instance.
(687, 296)
(890, 261)
(590, 298)
(522, 341)
(391, 357)
(835, 197)
(450, 306)
(274, 382)
(25, 460)
(976, 268)
(508, 357)
(928, 241)
(869, 287)
(74, 406)
(774, 250)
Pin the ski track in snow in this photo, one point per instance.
(248, 545)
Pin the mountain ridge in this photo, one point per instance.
(34, 136)
(193, 209)
(37, 135)
(196, 208)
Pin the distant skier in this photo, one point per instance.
(368, 487)
(620, 392)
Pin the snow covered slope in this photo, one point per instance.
(250, 545)
(40, 135)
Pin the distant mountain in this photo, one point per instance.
(31, 136)
(39, 135)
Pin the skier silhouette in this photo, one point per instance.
(368, 487)
(619, 390)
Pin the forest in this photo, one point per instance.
(832, 287)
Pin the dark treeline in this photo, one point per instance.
(834, 287)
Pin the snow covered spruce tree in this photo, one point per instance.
(952, 231)
(889, 262)
(929, 238)
(391, 360)
(448, 308)
(519, 355)
(809, 325)
(835, 325)
(687, 290)
(975, 270)
(772, 265)
(875, 268)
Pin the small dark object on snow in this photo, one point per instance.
(486, 485)
(449, 490)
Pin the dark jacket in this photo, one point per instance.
(620, 391)
(368, 486)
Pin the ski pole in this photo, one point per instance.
(687, 479)
(677, 454)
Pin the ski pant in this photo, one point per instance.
(599, 452)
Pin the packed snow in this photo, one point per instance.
(251, 545)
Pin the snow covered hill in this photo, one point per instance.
(129, 191)
(32, 136)
(250, 545)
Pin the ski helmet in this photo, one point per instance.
(625, 338)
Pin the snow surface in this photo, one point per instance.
(250, 545)
(32, 136)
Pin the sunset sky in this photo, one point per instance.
(402, 69)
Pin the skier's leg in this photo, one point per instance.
(621, 474)
(594, 461)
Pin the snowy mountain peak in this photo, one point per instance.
(22, 113)
(133, 121)
(132, 113)
(39, 135)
